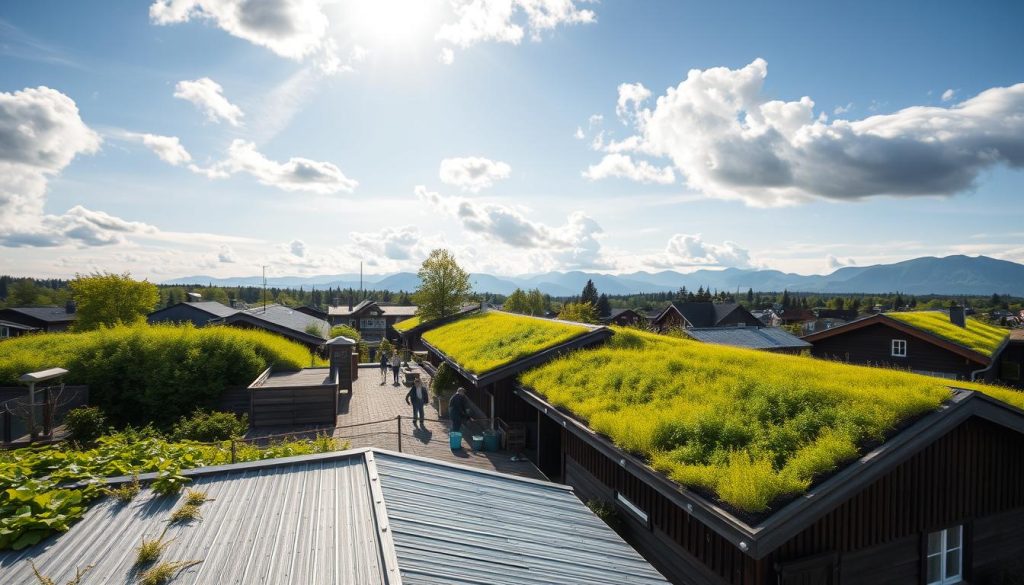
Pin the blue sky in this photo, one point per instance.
(215, 136)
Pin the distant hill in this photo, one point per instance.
(979, 275)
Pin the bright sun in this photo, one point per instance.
(391, 22)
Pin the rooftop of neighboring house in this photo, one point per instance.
(975, 335)
(213, 308)
(368, 305)
(767, 338)
(704, 314)
(360, 516)
(49, 314)
(286, 317)
(484, 342)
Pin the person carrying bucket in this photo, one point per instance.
(458, 409)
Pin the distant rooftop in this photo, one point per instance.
(767, 338)
(362, 516)
(388, 310)
(976, 336)
(48, 314)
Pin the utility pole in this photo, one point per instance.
(264, 288)
(361, 297)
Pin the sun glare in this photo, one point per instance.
(384, 23)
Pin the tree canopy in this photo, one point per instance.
(106, 300)
(444, 286)
(579, 312)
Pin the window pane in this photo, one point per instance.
(934, 543)
(935, 569)
(953, 537)
(952, 563)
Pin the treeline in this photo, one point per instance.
(22, 292)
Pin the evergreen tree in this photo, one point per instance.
(589, 294)
(517, 302)
(604, 308)
(750, 296)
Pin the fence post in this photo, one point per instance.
(399, 418)
(232, 450)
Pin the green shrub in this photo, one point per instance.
(152, 373)
(208, 427)
(445, 381)
(85, 424)
(346, 331)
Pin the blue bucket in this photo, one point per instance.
(455, 440)
(490, 441)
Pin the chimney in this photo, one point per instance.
(957, 316)
(70, 307)
(343, 368)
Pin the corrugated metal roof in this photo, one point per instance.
(357, 517)
(307, 522)
(750, 337)
(454, 525)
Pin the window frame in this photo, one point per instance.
(893, 345)
(633, 510)
(943, 555)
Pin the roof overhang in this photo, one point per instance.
(881, 319)
(300, 336)
(761, 538)
(435, 323)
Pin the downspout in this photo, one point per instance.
(995, 355)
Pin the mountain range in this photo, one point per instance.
(968, 275)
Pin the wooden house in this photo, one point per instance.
(704, 314)
(372, 320)
(624, 318)
(939, 501)
(45, 319)
(926, 342)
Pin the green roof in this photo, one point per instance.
(483, 342)
(976, 336)
(407, 324)
(748, 428)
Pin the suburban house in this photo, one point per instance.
(361, 516)
(371, 319)
(938, 498)
(927, 342)
(45, 319)
(1011, 360)
(771, 339)
(10, 329)
(287, 322)
(624, 318)
(704, 314)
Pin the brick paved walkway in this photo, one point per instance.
(371, 401)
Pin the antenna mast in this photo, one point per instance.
(264, 288)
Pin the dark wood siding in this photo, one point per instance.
(181, 313)
(996, 539)
(294, 406)
(872, 345)
(1009, 367)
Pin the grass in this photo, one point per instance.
(485, 341)
(165, 572)
(126, 492)
(44, 580)
(150, 550)
(195, 497)
(187, 512)
(980, 337)
(407, 324)
(748, 427)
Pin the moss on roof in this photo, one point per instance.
(486, 341)
(977, 336)
(407, 324)
(749, 428)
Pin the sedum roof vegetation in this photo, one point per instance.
(407, 324)
(980, 337)
(748, 427)
(486, 341)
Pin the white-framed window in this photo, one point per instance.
(632, 508)
(899, 348)
(946, 556)
(372, 323)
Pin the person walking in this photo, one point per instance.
(383, 368)
(396, 364)
(458, 409)
(418, 398)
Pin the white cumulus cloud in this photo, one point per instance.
(168, 148)
(207, 95)
(948, 94)
(473, 173)
(730, 141)
(622, 166)
(41, 132)
(393, 243)
(688, 250)
(297, 174)
(508, 21)
(575, 244)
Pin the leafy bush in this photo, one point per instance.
(33, 504)
(152, 373)
(485, 341)
(980, 337)
(747, 426)
(346, 331)
(86, 423)
(445, 381)
(208, 427)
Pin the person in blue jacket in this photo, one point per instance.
(417, 397)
